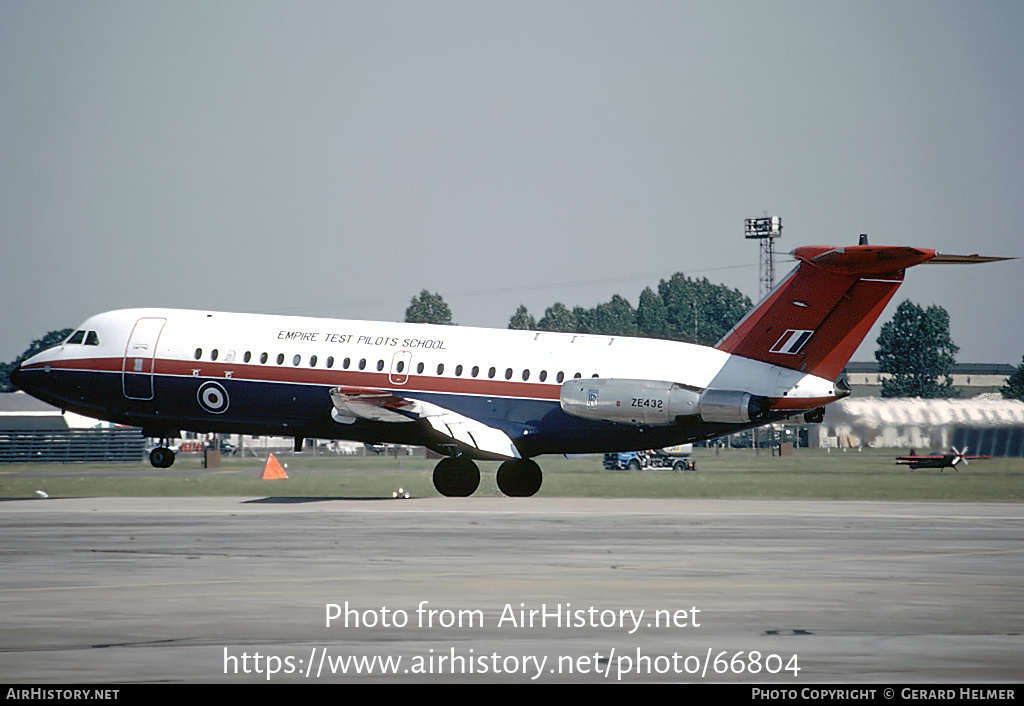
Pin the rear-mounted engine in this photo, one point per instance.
(732, 407)
(656, 402)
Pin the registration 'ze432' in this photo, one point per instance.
(472, 393)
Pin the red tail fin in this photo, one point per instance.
(815, 319)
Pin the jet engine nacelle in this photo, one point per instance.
(651, 402)
(732, 406)
(656, 402)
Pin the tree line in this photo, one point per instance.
(38, 346)
(915, 349)
(682, 309)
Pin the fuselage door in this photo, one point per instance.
(400, 363)
(139, 356)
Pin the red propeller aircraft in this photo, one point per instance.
(938, 459)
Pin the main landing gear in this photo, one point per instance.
(456, 476)
(520, 478)
(459, 477)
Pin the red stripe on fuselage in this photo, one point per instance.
(319, 376)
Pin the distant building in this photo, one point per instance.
(971, 379)
(32, 431)
(20, 412)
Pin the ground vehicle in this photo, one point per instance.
(659, 458)
(226, 448)
(625, 460)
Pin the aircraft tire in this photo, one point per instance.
(456, 477)
(519, 479)
(161, 457)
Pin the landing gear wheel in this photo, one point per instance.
(456, 477)
(161, 457)
(519, 479)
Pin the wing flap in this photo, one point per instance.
(469, 431)
(351, 403)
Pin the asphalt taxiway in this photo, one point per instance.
(500, 589)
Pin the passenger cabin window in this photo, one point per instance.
(280, 358)
(247, 357)
(214, 353)
(199, 353)
(263, 357)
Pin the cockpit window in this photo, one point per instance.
(92, 339)
(77, 337)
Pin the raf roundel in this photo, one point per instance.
(213, 397)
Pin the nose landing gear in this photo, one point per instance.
(161, 457)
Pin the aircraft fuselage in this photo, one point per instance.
(173, 370)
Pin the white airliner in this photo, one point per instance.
(473, 393)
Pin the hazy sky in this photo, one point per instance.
(335, 158)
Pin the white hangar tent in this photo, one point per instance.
(987, 424)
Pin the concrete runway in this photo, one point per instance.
(238, 590)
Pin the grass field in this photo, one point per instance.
(810, 474)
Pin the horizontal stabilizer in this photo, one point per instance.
(816, 317)
(941, 259)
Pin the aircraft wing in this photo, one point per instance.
(351, 403)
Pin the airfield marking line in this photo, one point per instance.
(525, 572)
(682, 514)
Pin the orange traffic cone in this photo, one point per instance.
(273, 469)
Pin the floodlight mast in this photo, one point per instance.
(766, 230)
